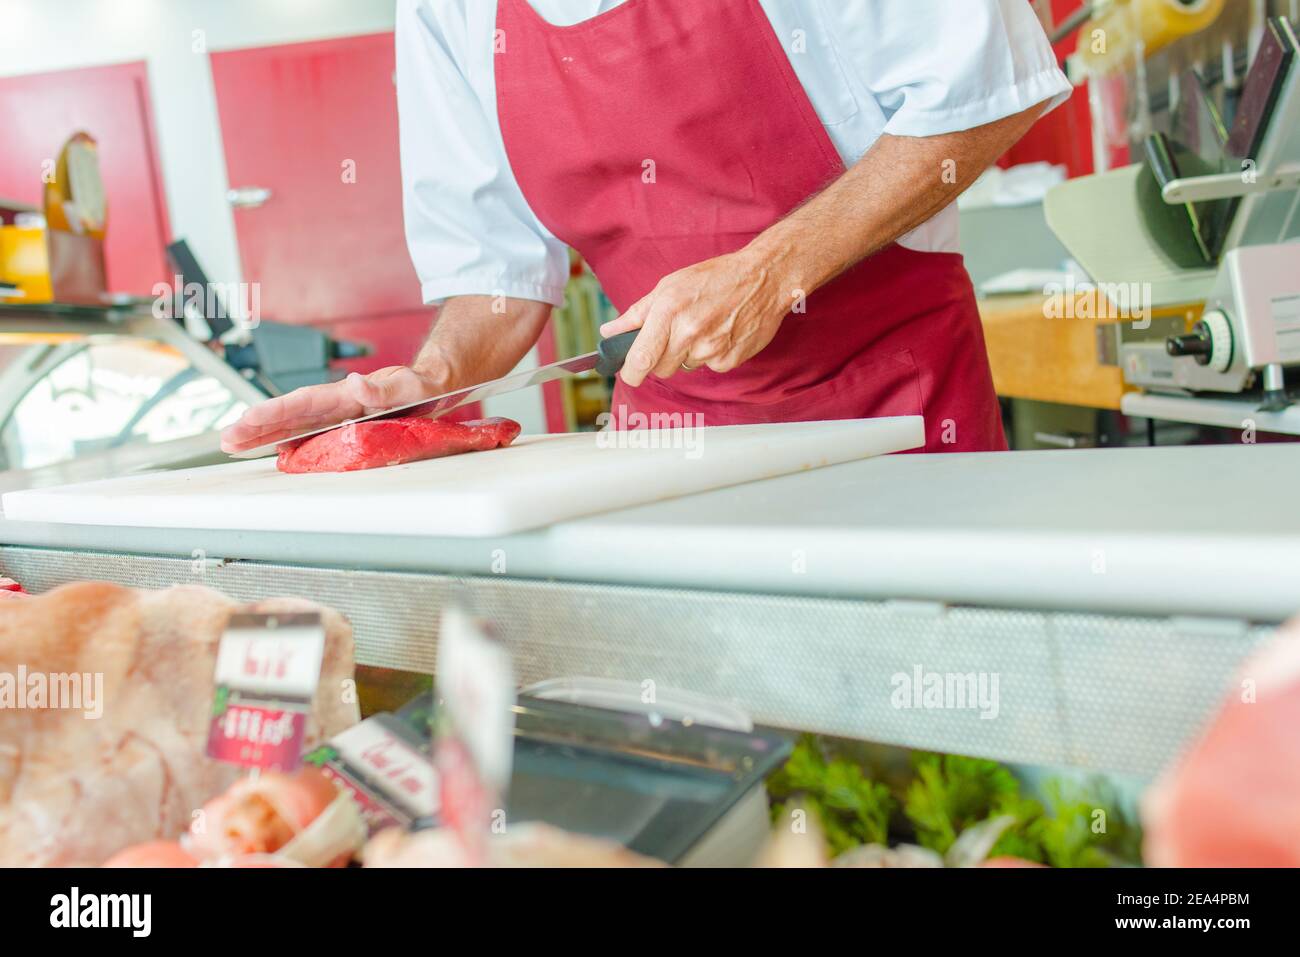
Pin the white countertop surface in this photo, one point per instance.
(1196, 531)
(538, 482)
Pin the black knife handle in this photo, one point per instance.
(613, 353)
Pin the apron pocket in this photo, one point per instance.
(870, 386)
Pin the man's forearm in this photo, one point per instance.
(477, 338)
(899, 184)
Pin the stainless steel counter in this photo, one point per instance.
(1110, 593)
(1172, 531)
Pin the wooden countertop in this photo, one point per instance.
(1048, 359)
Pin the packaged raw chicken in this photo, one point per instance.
(120, 759)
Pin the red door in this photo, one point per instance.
(316, 125)
(39, 111)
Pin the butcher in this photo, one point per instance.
(764, 188)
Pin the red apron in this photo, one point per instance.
(662, 133)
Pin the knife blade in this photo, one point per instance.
(607, 360)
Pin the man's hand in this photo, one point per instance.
(725, 311)
(718, 313)
(318, 406)
(475, 338)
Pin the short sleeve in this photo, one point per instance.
(468, 227)
(942, 66)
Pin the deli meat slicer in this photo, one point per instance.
(1208, 226)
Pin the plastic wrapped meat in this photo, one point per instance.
(382, 442)
(153, 854)
(301, 817)
(523, 845)
(1234, 798)
(272, 820)
(129, 766)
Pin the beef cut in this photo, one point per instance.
(375, 444)
(78, 784)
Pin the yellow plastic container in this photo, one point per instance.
(1108, 42)
(25, 262)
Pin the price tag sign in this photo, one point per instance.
(476, 682)
(474, 745)
(384, 770)
(268, 667)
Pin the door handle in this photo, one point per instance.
(247, 197)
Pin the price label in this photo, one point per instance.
(268, 667)
(476, 682)
(474, 746)
(386, 773)
(255, 736)
(272, 656)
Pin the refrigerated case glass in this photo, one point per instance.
(61, 401)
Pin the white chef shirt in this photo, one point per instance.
(870, 67)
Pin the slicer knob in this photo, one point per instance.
(1190, 345)
(1210, 342)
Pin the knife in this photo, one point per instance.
(607, 360)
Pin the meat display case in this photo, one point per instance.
(111, 388)
(1111, 593)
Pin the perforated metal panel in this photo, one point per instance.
(1111, 693)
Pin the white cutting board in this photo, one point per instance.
(537, 481)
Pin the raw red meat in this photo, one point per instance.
(369, 445)
(1234, 798)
